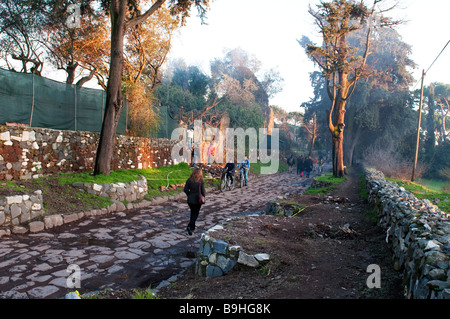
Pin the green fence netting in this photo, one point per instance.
(166, 123)
(39, 102)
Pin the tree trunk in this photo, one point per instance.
(70, 69)
(114, 100)
(338, 137)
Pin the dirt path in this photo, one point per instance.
(312, 255)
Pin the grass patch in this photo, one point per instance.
(156, 177)
(12, 186)
(421, 192)
(330, 183)
(433, 184)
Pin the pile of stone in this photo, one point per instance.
(130, 192)
(419, 233)
(217, 257)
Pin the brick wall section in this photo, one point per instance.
(27, 153)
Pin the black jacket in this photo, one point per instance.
(191, 189)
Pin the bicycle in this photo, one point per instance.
(226, 182)
(241, 177)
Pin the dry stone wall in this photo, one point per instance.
(18, 210)
(27, 153)
(420, 236)
(130, 192)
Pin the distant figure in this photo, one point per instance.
(308, 166)
(211, 152)
(291, 162)
(245, 165)
(229, 169)
(194, 185)
(300, 165)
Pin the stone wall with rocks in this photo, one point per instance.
(217, 257)
(419, 233)
(130, 192)
(18, 210)
(27, 153)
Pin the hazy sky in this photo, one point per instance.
(269, 30)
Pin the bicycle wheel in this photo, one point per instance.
(241, 179)
(223, 184)
(230, 184)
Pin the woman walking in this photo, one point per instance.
(194, 186)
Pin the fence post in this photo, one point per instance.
(32, 99)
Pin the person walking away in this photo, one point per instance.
(245, 164)
(194, 185)
(291, 162)
(308, 166)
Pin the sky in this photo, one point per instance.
(269, 31)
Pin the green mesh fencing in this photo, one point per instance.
(166, 123)
(39, 102)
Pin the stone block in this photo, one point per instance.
(14, 199)
(36, 226)
(19, 230)
(247, 260)
(24, 217)
(70, 218)
(220, 247)
(226, 264)
(15, 211)
(213, 271)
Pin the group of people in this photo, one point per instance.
(306, 165)
(195, 185)
(196, 149)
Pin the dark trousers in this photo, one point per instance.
(195, 210)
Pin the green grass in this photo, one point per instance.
(156, 177)
(13, 186)
(144, 294)
(326, 177)
(123, 176)
(436, 185)
(422, 192)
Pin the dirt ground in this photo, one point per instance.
(322, 253)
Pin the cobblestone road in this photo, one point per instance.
(125, 250)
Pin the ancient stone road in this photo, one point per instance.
(137, 248)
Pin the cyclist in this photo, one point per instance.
(229, 169)
(245, 166)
